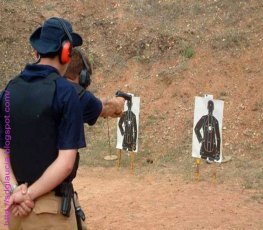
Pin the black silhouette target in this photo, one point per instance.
(207, 130)
(128, 126)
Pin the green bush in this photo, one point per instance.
(187, 52)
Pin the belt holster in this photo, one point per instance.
(67, 194)
(66, 191)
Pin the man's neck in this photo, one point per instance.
(54, 62)
(76, 80)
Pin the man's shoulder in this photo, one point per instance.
(65, 92)
(89, 96)
(63, 82)
(90, 100)
(64, 85)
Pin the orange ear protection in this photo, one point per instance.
(66, 46)
(65, 53)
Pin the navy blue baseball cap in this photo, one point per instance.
(48, 38)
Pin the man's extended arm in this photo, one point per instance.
(112, 107)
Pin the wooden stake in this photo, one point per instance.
(132, 161)
(198, 162)
(119, 158)
(214, 176)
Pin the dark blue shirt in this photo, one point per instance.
(91, 108)
(67, 109)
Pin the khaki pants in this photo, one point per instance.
(45, 216)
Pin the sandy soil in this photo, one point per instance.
(119, 199)
(115, 199)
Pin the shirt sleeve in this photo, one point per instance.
(91, 108)
(71, 128)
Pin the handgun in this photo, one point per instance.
(126, 96)
(67, 192)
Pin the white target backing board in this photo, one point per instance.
(207, 128)
(128, 126)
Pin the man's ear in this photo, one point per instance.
(37, 56)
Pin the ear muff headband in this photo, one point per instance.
(66, 46)
(84, 80)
